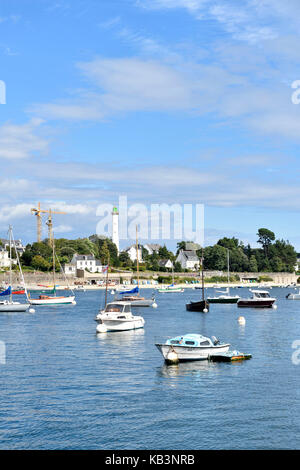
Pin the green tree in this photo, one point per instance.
(266, 237)
(253, 267)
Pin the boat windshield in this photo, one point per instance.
(262, 295)
(114, 308)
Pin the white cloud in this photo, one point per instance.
(18, 141)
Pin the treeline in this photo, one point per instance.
(273, 256)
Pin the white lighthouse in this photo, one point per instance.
(115, 227)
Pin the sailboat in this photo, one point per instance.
(129, 296)
(172, 287)
(225, 298)
(10, 305)
(200, 305)
(53, 299)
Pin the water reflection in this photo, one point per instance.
(185, 369)
(120, 337)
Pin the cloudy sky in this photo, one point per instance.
(164, 101)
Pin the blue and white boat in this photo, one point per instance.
(191, 347)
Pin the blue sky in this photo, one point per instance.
(165, 101)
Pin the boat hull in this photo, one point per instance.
(118, 325)
(293, 296)
(14, 307)
(137, 302)
(167, 291)
(191, 353)
(54, 301)
(229, 300)
(265, 303)
(197, 306)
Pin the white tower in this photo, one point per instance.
(115, 227)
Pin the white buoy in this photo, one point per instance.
(31, 310)
(242, 320)
(205, 310)
(274, 306)
(154, 305)
(101, 328)
(172, 357)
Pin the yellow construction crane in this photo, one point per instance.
(50, 225)
(38, 212)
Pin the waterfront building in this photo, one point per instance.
(188, 259)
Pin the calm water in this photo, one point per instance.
(64, 387)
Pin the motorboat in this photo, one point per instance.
(117, 316)
(191, 347)
(259, 299)
(224, 298)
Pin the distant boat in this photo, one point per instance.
(200, 305)
(10, 305)
(259, 299)
(171, 288)
(225, 298)
(293, 296)
(53, 299)
(191, 347)
(136, 300)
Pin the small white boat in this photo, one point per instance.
(10, 305)
(191, 347)
(7, 306)
(169, 289)
(117, 316)
(55, 300)
(291, 296)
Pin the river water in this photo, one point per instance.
(64, 387)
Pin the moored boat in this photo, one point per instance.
(117, 316)
(10, 305)
(295, 296)
(191, 347)
(225, 298)
(259, 299)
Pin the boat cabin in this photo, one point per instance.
(261, 294)
(117, 307)
(192, 340)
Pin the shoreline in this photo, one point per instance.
(159, 286)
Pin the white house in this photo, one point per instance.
(83, 262)
(5, 260)
(18, 243)
(188, 259)
(132, 252)
(165, 263)
(152, 248)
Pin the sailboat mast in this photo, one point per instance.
(228, 265)
(202, 273)
(108, 261)
(137, 257)
(53, 255)
(10, 266)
